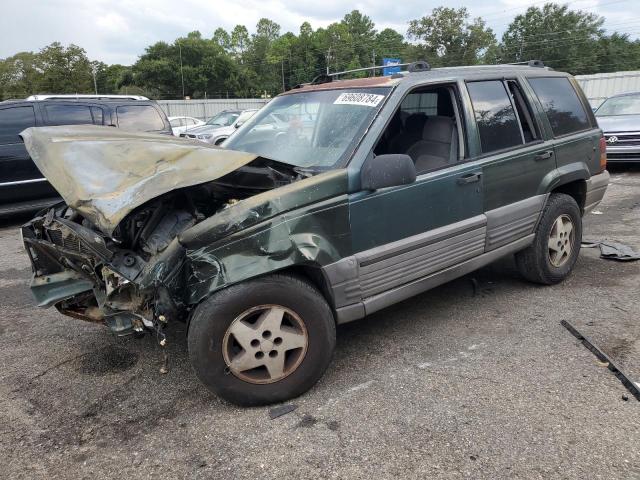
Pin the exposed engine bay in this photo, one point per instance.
(134, 278)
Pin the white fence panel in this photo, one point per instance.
(600, 86)
(205, 109)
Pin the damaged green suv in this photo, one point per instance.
(337, 199)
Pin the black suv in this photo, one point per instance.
(22, 186)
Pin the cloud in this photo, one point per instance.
(117, 31)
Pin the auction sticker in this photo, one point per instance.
(354, 98)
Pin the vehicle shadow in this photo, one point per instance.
(15, 220)
(623, 167)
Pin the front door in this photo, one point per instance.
(402, 234)
(20, 179)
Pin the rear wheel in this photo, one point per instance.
(262, 341)
(556, 246)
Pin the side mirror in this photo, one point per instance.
(239, 124)
(390, 170)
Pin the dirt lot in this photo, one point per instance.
(449, 384)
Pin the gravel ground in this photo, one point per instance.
(449, 384)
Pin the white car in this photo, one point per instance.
(220, 127)
(183, 124)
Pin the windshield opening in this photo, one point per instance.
(223, 119)
(317, 129)
(623, 105)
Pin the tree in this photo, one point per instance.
(448, 38)
(19, 76)
(563, 39)
(64, 70)
(618, 53)
(206, 68)
(110, 78)
(239, 41)
(362, 34)
(222, 38)
(389, 43)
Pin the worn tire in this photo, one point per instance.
(534, 262)
(214, 316)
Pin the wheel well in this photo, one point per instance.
(220, 140)
(576, 189)
(314, 276)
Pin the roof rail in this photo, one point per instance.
(419, 66)
(84, 96)
(530, 63)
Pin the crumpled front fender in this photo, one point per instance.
(317, 237)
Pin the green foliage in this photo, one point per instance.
(205, 66)
(564, 39)
(447, 37)
(238, 63)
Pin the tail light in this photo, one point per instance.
(603, 154)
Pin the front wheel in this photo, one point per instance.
(262, 341)
(556, 246)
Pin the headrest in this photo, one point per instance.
(415, 122)
(438, 129)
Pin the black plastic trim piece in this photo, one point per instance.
(603, 357)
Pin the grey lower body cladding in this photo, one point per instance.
(371, 280)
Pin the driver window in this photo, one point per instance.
(426, 127)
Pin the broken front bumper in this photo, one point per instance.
(77, 272)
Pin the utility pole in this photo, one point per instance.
(374, 62)
(95, 83)
(181, 73)
(282, 72)
(328, 59)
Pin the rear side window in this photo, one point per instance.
(13, 121)
(69, 115)
(421, 102)
(496, 119)
(142, 118)
(560, 102)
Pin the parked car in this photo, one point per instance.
(184, 124)
(220, 127)
(22, 186)
(379, 189)
(619, 118)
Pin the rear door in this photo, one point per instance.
(570, 122)
(515, 158)
(71, 113)
(20, 179)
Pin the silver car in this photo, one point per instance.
(220, 127)
(619, 118)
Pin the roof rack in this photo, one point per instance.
(83, 97)
(419, 66)
(530, 63)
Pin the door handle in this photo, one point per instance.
(469, 178)
(543, 155)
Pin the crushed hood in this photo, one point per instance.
(105, 173)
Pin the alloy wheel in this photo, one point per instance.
(265, 344)
(561, 239)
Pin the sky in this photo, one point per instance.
(117, 31)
